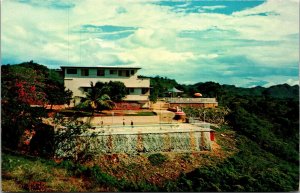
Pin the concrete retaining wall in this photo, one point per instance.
(144, 143)
(144, 139)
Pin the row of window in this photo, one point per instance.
(132, 90)
(129, 90)
(100, 72)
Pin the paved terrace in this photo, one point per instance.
(151, 128)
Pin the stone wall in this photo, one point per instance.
(141, 143)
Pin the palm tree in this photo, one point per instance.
(96, 99)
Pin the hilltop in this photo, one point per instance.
(258, 142)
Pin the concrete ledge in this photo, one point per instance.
(118, 120)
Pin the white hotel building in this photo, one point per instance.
(78, 79)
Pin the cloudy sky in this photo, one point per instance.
(240, 42)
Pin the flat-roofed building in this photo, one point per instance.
(78, 79)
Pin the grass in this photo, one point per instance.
(157, 159)
(71, 113)
(187, 157)
(142, 113)
(21, 173)
(74, 112)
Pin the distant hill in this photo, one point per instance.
(211, 89)
(282, 91)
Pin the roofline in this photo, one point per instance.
(114, 67)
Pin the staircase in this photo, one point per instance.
(159, 105)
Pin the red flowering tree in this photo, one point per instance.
(21, 87)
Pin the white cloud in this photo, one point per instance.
(292, 81)
(43, 34)
(213, 7)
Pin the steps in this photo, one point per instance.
(160, 105)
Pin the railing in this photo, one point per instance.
(191, 100)
(136, 98)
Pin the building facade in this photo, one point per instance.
(78, 80)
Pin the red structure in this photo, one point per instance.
(212, 135)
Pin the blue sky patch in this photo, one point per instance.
(265, 14)
(55, 4)
(208, 33)
(210, 6)
(115, 36)
(256, 83)
(105, 28)
(108, 32)
(241, 66)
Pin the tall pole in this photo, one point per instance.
(160, 115)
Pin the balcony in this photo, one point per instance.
(136, 98)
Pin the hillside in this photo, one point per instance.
(266, 121)
(112, 172)
(211, 89)
(257, 144)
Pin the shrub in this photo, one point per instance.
(187, 157)
(103, 178)
(157, 159)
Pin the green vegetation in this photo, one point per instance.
(252, 169)
(211, 115)
(65, 176)
(102, 96)
(23, 85)
(142, 114)
(223, 93)
(96, 98)
(157, 159)
(22, 173)
(160, 86)
(265, 122)
(75, 113)
(267, 134)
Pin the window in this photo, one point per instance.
(84, 72)
(71, 71)
(124, 73)
(113, 72)
(100, 73)
(132, 72)
(130, 90)
(120, 72)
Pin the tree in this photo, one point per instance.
(67, 141)
(21, 87)
(96, 98)
(116, 90)
(40, 69)
(56, 93)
